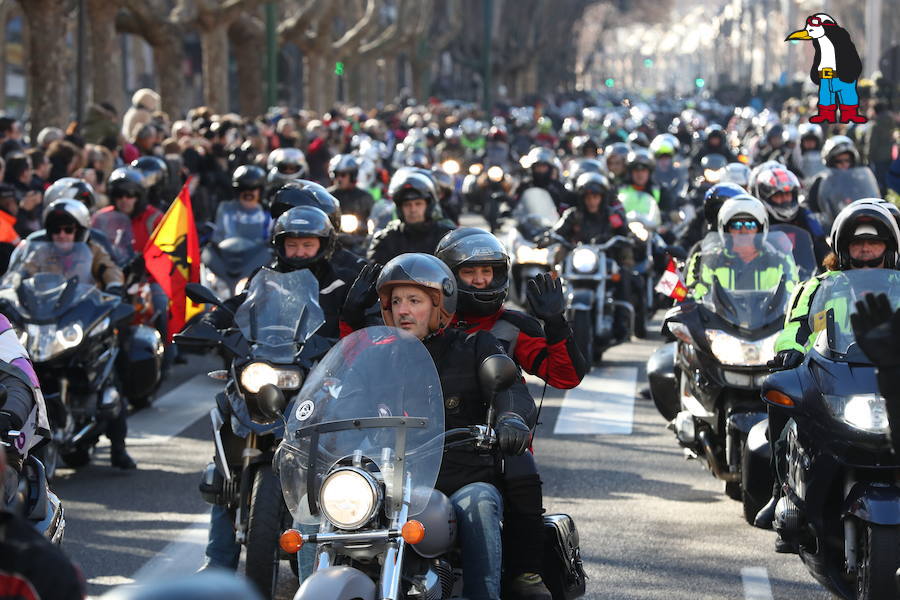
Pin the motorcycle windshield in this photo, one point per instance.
(233, 222)
(797, 242)
(811, 164)
(117, 228)
(281, 312)
(50, 278)
(376, 395)
(835, 301)
(537, 201)
(747, 279)
(840, 187)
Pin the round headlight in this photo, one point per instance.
(70, 337)
(584, 260)
(638, 229)
(255, 375)
(451, 167)
(476, 169)
(495, 173)
(349, 223)
(349, 498)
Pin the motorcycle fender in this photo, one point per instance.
(581, 299)
(758, 461)
(873, 503)
(663, 385)
(337, 583)
(218, 421)
(745, 421)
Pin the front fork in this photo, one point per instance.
(248, 456)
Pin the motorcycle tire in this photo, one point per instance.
(142, 402)
(751, 505)
(878, 561)
(264, 527)
(583, 331)
(78, 458)
(733, 490)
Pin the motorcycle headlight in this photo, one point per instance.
(349, 497)
(584, 260)
(638, 229)
(866, 412)
(451, 167)
(529, 255)
(476, 169)
(257, 374)
(735, 351)
(713, 175)
(44, 342)
(349, 223)
(100, 328)
(495, 174)
(241, 286)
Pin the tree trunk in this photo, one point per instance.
(106, 55)
(5, 11)
(247, 37)
(47, 77)
(312, 95)
(168, 62)
(214, 46)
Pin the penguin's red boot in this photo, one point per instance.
(827, 114)
(849, 114)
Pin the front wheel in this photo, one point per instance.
(583, 331)
(879, 557)
(264, 527)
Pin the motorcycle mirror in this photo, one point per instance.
(497, 373)
(271, 401)
(202, 295)
(676, 252)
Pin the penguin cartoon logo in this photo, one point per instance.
(835, 69)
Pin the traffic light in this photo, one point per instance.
(610, 82)
(648, 62)
(699, 82)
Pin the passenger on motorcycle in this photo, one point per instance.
(481, 266)
(864, 236)
(743, 227)
(244, 217)
(838, 152)
(779, 190)
(418, 293)
(303, 238)
(544, 170)
(416, 230)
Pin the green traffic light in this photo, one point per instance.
(699, 82)
(610, 82)
(648, 62)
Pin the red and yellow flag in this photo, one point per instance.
(172, 256)
(671, 284)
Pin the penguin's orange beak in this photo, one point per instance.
(799, 35)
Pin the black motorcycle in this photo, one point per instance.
(227, 265)
(271, 349)
(533, 216)
(70, 329)
(841, 502)
(724, 341)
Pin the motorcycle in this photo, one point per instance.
(724, 341)
(841, 502)
(227, 265)
(592, 308)
(840, 187)
(358, 466)
(534, 215)
(486, 192)
(272, 344)
(69, 328)
(644, 221)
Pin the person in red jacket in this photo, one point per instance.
(481, 266)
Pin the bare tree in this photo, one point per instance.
(247, 36)
(105, 53)
(47, 77)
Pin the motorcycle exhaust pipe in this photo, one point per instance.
(714, 466)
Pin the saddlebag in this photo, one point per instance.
(563, 572)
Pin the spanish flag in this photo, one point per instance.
(172, 256)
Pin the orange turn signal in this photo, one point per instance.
(413, 532)
(776, 397)
(291, 541)
(615, 277)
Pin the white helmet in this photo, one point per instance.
(743, 204)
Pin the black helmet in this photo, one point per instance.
(773, 180)
(127, 181)
(837, 145)
(581, 143)
(713, 162)
(539, 154)
(593, 183)
(714, 199)
(423, 271)
(306, 193)
(156, 175)
(715, 131)
(443, 180)
(71, 187)
(640, 158)
(303, 221)
(67, 211)
(343, 163)
(470, 246)
(248, 178)
(618, 149)
(406, 185)
(865, 220)
(775, 131)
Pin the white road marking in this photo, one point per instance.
(180, 557)
(756, 583)
(602, 404)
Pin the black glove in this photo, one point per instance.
(786, 359)
(362, 295)
(9, 422)
(877, 327)
(513, 435)
(116, 289)
(545, 297)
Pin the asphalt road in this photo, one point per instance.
(652, 524)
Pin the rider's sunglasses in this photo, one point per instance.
(338, 175)
(70, 229)
(817, 22)
(842, 161)
(748, 225)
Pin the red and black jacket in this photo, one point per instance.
(548, 352)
